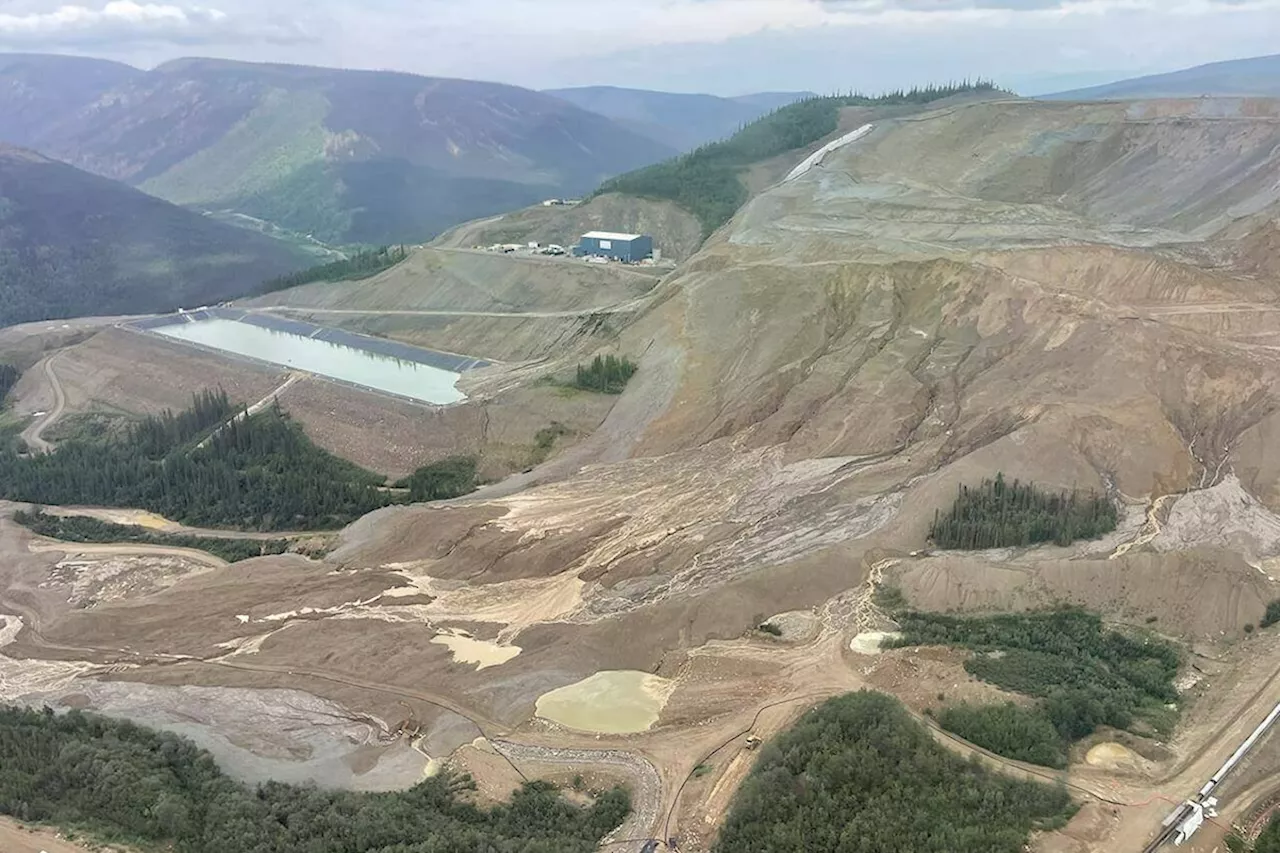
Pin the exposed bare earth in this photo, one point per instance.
(1072, 294)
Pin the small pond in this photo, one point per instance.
(391, 374)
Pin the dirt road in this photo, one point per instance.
(646, 784)
(620, 308)
(15, 838)
(33, 434)
(258, 406)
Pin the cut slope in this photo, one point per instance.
(341, 155)
(1255, 77)
(72, 244)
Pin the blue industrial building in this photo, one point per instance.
(620, 247)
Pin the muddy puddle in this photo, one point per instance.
(613, 702)
(467, 649)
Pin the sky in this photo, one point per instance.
(717, 46)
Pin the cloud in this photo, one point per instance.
(688, 45)
(121, 22)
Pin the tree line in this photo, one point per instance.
(1083, 675)
(361, 265)
(857, 774)
(129, 784)
(999, 514)
(257, 473)
(79, 528)
(706, 181)
(9, 376)
(605, 375)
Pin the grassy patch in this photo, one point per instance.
(545, 439)
(77, 528)
(1085, 675)
(858, 774)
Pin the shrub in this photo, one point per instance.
(437, 481)
(1272, 616)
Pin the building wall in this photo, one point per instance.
(622, 250)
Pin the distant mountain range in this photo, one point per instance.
(1255, 77)
(346, 156)
(72, 244)
(682, 122)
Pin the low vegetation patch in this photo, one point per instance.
(999, 514)
(605, 375)
(158, 791)
(706, 181)
(206, 468)
(858, 774)
(76, 528)
(438, 481)
(359, 266)
(545, 439)
(1084, 675)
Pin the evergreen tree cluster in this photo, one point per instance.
(998, 514)
(257, 473)
(1272, 616)
(857, 774)
(605, 375)
(706, 181)
(78, 528)
(448, 478)
(1084, 675)
(133, 785)
(9, 376)
(157, 435)
(1023, 734)
(361, 265)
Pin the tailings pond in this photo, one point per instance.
(612, 702)
(375, 363)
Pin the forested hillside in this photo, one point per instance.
(129, 784)
(858, 774)
(74, 244)
(1083, 675)
(343, 156)
(257, 473)
(706, 182)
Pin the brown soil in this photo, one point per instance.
(995, 287)
(18, 838)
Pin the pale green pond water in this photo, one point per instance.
(405, 378)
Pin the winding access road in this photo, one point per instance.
(33, 434)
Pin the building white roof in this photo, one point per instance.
(610, 235)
